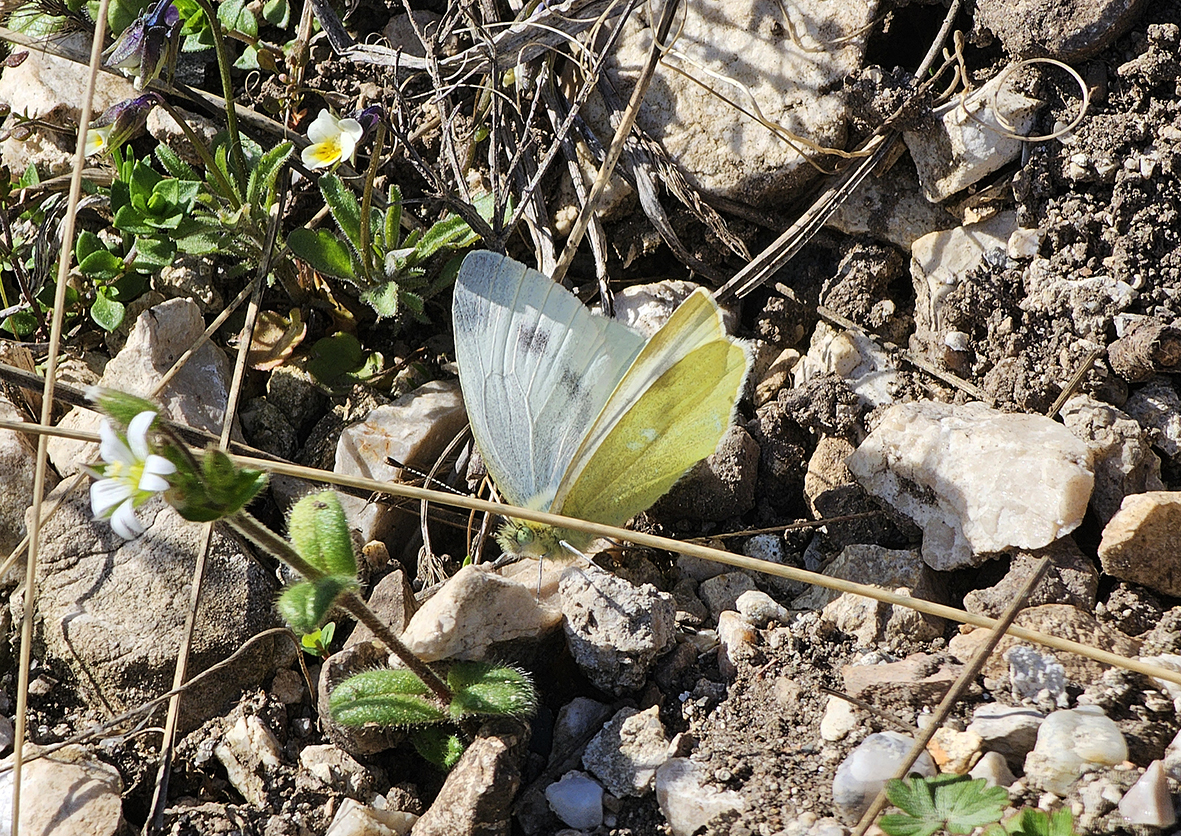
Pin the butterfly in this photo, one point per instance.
(578, 414)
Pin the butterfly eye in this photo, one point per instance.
(525, 535)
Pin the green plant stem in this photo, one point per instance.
(252, 529)
(223, 66)
(367, 205)
(203, 152)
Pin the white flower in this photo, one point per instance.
(97, 140)
(333, 140)
(131, 475)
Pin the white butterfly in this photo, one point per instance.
(576, 413)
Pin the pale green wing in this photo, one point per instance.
(536, 367)
(669, 412)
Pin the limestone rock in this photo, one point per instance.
(724, 152)
(1070, 743)
(627, 752)
(1069, 32)
(867, 768)
(974, 479)
(1140, 542)
(687, 801)
(413, 430)
(1071, 579)
(65, 792)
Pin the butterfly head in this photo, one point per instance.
(528, 539)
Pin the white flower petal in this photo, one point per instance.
(352, 128)
(105, 494)
(348, 148)
(325, 127)
(159, 465)
(137, 435)
(96, 140)
(153, 483)
(125, 523)
(320, 155)
(112, 448)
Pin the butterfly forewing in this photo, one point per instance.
(536, 368)
(675, 402)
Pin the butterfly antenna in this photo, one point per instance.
(437, 484)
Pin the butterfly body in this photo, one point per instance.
(578, 414)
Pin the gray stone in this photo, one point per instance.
(18, 461)
(627, 752)
(1071, 579)
(867, 768)
(976, 480)
(891, 208)
(615, 630)
(65, 792)
(413, 430)
(113, 611)
(721, 593)
(1157, 406)
(725, 152)
(968, 138)
(477, 796)
(1089, 304)
(1070, 32)
(392, 600)
(577, 799)
(195, 397)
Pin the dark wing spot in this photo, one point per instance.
(531, 340)
(571, 384)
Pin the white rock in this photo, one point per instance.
(249, 751)
(615, 629)
(195, 397)
(868, 767)
(840, 718)
(720, 150)
(1071, 742)
(577, 799)
(993, 768)
(687, 801)
(66, 792)
(1010, 731)
(473, 612)
(413, 430)
(976, 480)
(1036, 676)
(891, 208)
(627, 752)
(721, 593)
(356, 819)
(336, 769)
(646, 307)
(1024, 243)
(760, 608)
(1149, 802)
(866, 367)
(968, 140)
(1173, 758)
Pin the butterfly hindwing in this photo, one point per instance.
(536, 368)
(668, 412)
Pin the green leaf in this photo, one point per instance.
(305, 605)
(945, 802)
(88, 243)
(235, 16)
(1034, 822)
(121, 407)
(153, 254)
(320, 533)
(220, 489)
(385, 697)
(339, 360)
(383, 299)
(102, 266)
(344, 207)
(106, 312)
(482, 689)
(323, 251)
(248, 60)
(277, 13)
(436, 744)
(171, 162)
(392, 234)
(263, 175)
(451, 232)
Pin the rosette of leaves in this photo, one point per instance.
(387, 271)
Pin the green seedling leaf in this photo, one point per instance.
(261, 186)
(320, 533)
(944, 803)
(106, 312)
(436, 744)
(305, 605)
(1033, 822)
(384, 299)
(340, 361)
(385, 697)
(88, 243)
(248, 60)
(171, 162)
(344, 207)
(235, 16)
(102, 265)
(325, 252)
(276, 13)
(317, 642)
(482, 689)
(152, 255)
